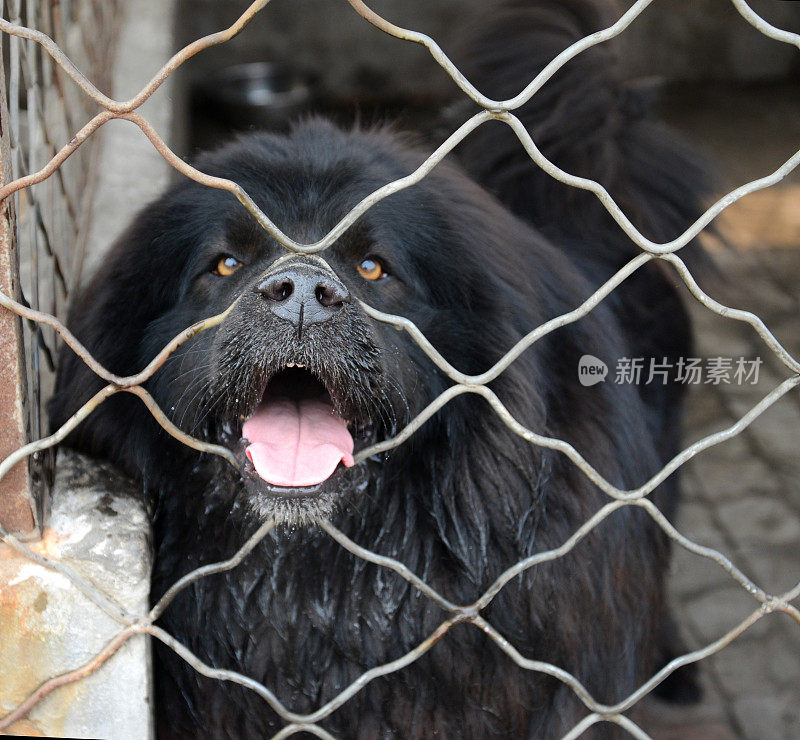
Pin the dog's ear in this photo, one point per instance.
(109, 317)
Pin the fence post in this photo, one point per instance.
(18, 510)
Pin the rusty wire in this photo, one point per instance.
(477, 384)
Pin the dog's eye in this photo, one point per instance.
(226, 266)
(371, 269)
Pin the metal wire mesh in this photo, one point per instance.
(51, 223)
(132, 624)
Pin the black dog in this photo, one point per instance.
(298, 378)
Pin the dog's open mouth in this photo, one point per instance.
(296, 439)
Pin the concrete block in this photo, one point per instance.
(99, 528)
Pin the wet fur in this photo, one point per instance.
(465, 497)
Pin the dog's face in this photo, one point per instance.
(298, 379)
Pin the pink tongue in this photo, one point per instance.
(297, 443)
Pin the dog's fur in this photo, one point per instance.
(465, 497)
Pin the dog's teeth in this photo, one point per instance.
(289, 364)
(299, 365)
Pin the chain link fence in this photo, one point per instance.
(33, 70)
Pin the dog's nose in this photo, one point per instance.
(304, 295)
